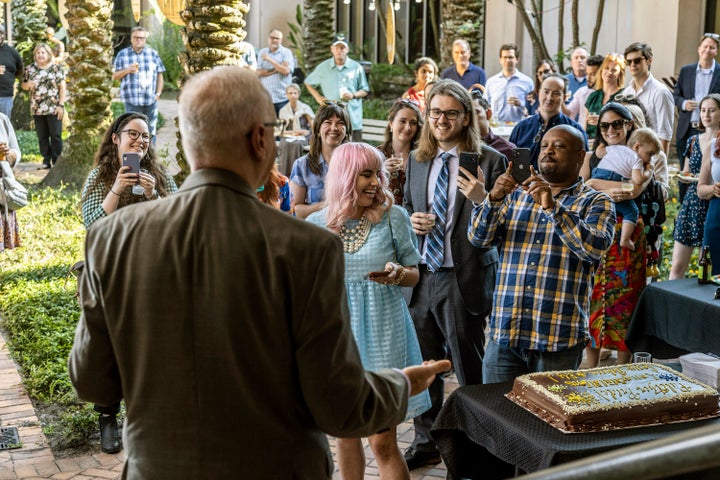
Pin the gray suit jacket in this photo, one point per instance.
(223, 324)
(474, 267)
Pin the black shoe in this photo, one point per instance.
(109, 438)
(416, 459)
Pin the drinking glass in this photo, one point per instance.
(627, 185)
(137, 189)
(642, 357)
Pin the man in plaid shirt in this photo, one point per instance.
(550, 233)
(139, 69)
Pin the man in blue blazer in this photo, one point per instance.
(453, 298)
(694, 83)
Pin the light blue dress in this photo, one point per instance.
(379, 317)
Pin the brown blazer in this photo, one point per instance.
(223, 325)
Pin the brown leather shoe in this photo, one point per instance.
(109, 437)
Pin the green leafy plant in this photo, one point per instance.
(295, 37)
(169, 46)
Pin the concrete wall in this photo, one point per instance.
(671, 27)
(266, 15)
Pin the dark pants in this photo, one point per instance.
(113, 409)
(680, 145)
(278, 106)
(444, 328)
(49, 133)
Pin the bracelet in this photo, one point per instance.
(113, 192)
(401, 275)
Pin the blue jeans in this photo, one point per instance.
(6, 104)
(627, 208)
(150, 111)
(503, 364)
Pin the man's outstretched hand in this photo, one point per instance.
(421, 376)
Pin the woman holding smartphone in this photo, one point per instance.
(381, 256)
(109, 187)
(109, 184)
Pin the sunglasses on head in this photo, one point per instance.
(545, 72)
(615, 124)
(714, 36)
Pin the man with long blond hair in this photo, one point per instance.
(453, 297)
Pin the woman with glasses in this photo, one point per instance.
(108, 187)
(381, 257)
(426, 70)
(109, 184)
(331, 129)
(690, 220)
(401, 135)
(45, 80)
(621, 275)
(608, 84)
(544, 67)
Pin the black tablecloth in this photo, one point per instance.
(675, 317)
(483, 435)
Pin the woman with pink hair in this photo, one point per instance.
(381, 256)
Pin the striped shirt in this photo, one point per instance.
(547, 260)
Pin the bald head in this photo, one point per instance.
(574, 137)
(218, 109)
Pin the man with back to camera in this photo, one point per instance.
(464, 71)
(507, 90)
(220, 373)
(11, 69)
(577, 78)
(452, 299)
(140, 71)
(550, 232)
(654, 95)
(529, 133)
(275, 67)
(694, 82)
(341, 78)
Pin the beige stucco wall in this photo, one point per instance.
(671, 27)
(266, 15)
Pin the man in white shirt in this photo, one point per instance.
(507, 90)
(654, 95)
(576, 108)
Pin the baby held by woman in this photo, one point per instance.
(631, 165)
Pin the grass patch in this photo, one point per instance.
(40, 311)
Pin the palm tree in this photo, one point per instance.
(89, 81)
(319, 18)
(211, 36)
(462, 19)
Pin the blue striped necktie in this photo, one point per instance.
(435, 251)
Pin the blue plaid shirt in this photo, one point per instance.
(547, 261)
(139, 88)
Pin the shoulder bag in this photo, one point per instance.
(13, 195)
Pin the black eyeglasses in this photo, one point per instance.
(436, 113)
(635, 61)
(616, 125)
(336, 103)
(134, 135)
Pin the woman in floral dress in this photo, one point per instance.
(45, 80)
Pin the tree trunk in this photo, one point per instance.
(89, 81)
(574, 21)
(561, 38)
(462, 19)
(211, 34)
(536, 36)
(318, 31)
(598, 24)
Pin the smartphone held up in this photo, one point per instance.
(521, 164)
(132, 160)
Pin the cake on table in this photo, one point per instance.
(609, 398)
